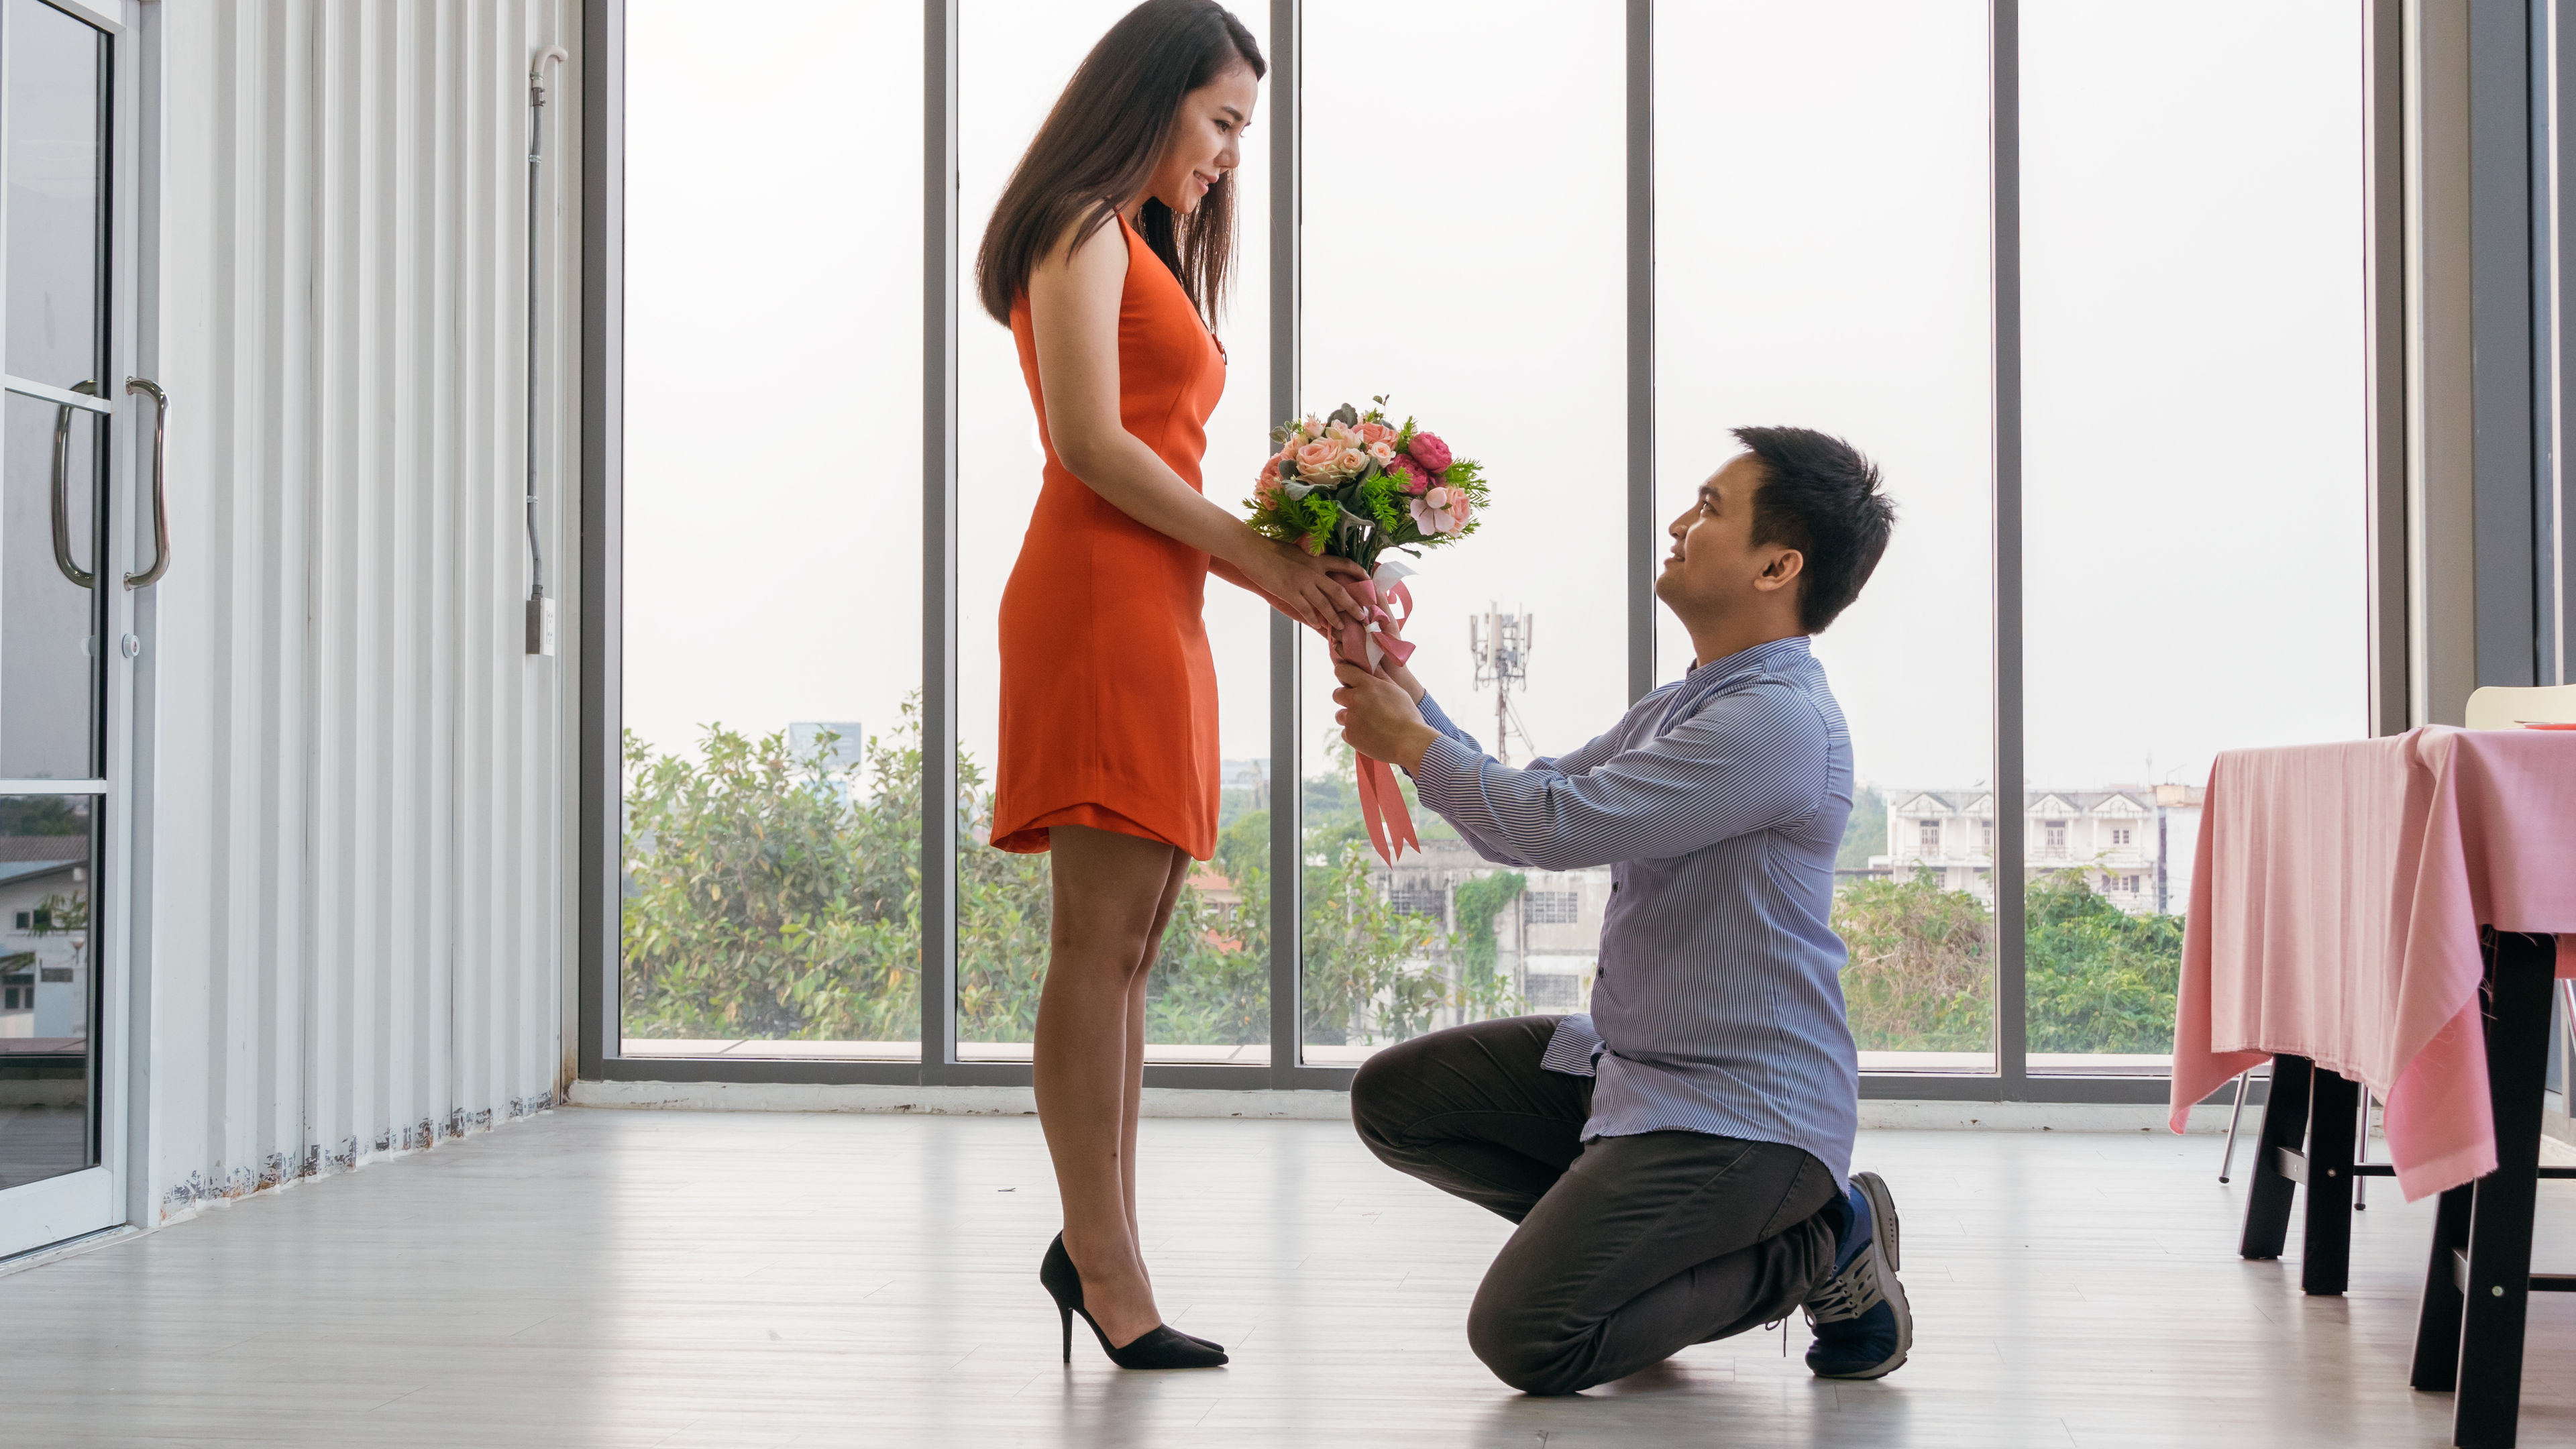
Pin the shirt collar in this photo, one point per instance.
(1759, 656)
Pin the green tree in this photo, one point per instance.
(2099, 979)
(774, 895)
(1360, 977)
(1920, 977)
(1921, 967)
(762, 901)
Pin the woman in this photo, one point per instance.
(1106, 256)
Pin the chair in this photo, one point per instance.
(2499, 707)
(2228, 1159)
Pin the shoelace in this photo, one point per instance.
(1853, 1292)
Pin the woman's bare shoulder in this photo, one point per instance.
(1084, 259)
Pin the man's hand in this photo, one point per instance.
(1378, 718)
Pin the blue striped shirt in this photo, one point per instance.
(1718, 803)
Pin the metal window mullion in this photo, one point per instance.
(2501, 317)
(2553, 265)
(2385, 408)
(1287, 770)
(601, 824)
(939, 540)
(1641, 347)
(2003, 71)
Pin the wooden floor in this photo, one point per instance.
(638, 1278)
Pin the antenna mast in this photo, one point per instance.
(1500, 643)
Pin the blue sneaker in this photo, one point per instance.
(1862, 1325)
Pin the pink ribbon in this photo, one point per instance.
(1377, 632)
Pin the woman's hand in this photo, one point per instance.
(1308, 587)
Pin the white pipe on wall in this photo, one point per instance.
(359, 871)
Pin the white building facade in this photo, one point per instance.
(2122, 841)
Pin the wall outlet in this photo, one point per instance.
(541, 627)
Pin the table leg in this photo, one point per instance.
(2325, 1250)
(2285, 1124)
(2437, 1323)
(2498, 1278)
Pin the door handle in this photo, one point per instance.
(62, 506)
(160, 476)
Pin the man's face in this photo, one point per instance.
(1714, 566)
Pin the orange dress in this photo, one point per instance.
(1108, 689)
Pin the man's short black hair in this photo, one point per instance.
(1820, 497)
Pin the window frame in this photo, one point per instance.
(2003, 834)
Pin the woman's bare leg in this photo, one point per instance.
(1109, 890)
(1135, 1093)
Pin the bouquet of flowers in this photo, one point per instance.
(1352, 485)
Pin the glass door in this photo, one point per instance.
(66, 609)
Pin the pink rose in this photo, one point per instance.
(1384, 452)
(1317, 456)
(1352, 460)
(1427, 447)
(1376, 433)
(1265, 489)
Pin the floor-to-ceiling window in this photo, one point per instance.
(2194, 493)
(1462, 257)
(1821, 261)
(2185, 433)
(772, 561)
(1210, 992)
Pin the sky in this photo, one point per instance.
(2193, 351)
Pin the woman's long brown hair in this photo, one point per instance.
(1098, 148)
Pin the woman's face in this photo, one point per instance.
(1207, 140)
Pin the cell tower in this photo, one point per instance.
(1501, 644)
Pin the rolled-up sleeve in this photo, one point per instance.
(1749, 761)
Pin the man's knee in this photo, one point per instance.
(1379, 1096)
(1534, 1352)
(1413, 1079)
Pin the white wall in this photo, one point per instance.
(354, 924)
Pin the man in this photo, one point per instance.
(1676, 1159)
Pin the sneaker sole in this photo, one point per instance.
(1883, 1242)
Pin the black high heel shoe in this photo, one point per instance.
(1057, 1261)
(1160, 1347)
(1055, 1251)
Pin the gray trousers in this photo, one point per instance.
(1629, 1248)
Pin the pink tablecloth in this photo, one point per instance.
(2335, 911)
